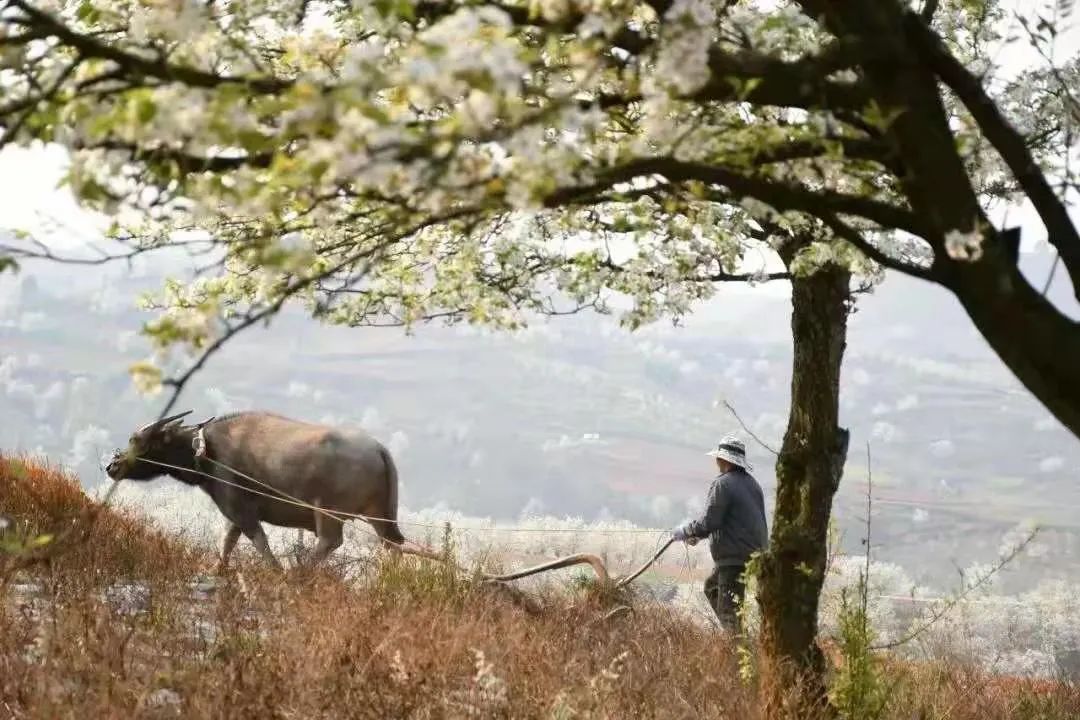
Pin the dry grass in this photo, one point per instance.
(96, 548)
(111, 627)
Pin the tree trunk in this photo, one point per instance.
(1039, 344)
(808, 470)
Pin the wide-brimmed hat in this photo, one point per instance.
(731, 448)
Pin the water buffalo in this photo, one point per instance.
(347, 471)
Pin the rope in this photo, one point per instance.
(285, 497)
(342, 515)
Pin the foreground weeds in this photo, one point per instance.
(128, 625)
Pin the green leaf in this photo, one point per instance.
(143, 106)
(146, 110)
(251, 140)
(748, 87)
(87, 12)
(8, 263)
(406, 9)
(881, 118)
(92, 191)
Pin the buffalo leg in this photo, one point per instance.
(231, 536)
(330, 532)
(257, 536)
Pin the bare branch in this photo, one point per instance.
(1050, 275)
(939, 613)
(42, 251)
(294, 288)
(749, 432)
(179, 383)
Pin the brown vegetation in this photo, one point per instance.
(119, 625)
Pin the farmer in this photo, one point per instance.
(734, 522)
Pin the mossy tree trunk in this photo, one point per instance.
(808, 471)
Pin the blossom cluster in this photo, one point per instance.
(391, 162)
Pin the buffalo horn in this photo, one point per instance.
(164, 421)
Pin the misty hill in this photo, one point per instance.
(578, 417)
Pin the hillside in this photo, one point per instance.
(123, 622)
(578, 418)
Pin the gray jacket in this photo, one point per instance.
(734, 521)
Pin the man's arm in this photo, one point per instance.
(714, 514)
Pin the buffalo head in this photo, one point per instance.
(161, 441)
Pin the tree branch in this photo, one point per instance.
(748, 431)
(783, 196)
(937, 614)
(854, 148)
(798, 83)
(929, 8)
(186, 162)
(1006, 139)
(844, 231)
(91, 47)
(42, 251)
(294, 288)
(26, 106)
(717, 277)
(522, 16)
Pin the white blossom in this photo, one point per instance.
(966, 246)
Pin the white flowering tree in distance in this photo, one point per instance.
(393, 161)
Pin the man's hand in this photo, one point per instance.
(680, 533)
(692, 540)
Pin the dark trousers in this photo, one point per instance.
(725, 590)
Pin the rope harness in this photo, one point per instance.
(597, 564)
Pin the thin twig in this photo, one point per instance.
(1050, 275)
(866, 569)
(749, 432)
(937, 615)
(846, 232)
(179, 383)
(44, 252)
